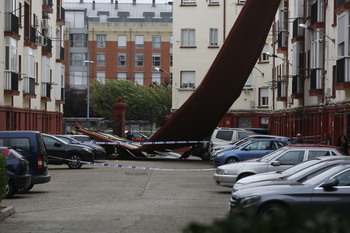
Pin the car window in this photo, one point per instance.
(224, 135)
(49, 141)
(277, 145)
(311, 172)
(343, 178)
(82, 138)
(291, 157)
(22, 145)
(265, 145)
(317, 153)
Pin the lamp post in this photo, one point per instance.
(316, 30)
(88, 91)
(163, 71)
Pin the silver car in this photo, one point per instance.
(279, 160)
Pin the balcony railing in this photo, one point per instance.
(48, 47)
(45, 90)
(11, 23)
(282, 39)
(297, 31)
(32, 35)
(29, 85)
(11, 81)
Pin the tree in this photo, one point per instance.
(144, 103)
(75, 103)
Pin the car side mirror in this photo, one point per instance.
(329, 184)
(57, 144)
(276, 163)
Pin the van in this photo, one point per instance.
(29, 144)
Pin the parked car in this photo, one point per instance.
(273, 175)
(61, 152)
(99, 151)
(17, 170)
(30, 145)
(300, 172)
(279, 160)
(328, 190)
(217, 149)
(249, 150)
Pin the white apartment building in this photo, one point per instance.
(31, 65)
(303, 86)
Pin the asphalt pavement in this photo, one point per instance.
(103, 199)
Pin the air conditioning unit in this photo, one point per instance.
(45, 24)
(40, 40)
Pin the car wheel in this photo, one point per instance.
(26, 189)
(74, 165)
(231, 160)
(272, 209)
(10, 190)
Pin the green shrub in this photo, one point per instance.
(3, 176)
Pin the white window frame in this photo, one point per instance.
(213, 36)
(263, 97)
(188, 37)
(156, 60)
(122, 75)
(214, 2)
(139, 41)
(101, 41)
(11, 54)
(156, 42)
(122, 59)
(139, 78)
(189, 2)
(101, 77)
(122, 41)
(188, 79)
(139, 58)
(101, 59)
(156, 78)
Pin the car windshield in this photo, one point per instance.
(267, 158)
(67, 139)
(324, 175)
(300, 166)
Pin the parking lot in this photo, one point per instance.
(110, 199)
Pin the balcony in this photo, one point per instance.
(281, 91)
(282, 41)
(297, 87)
(59, 54)
(47, 6)
(316, 83)
(11, 24)
(298, 31)
(61, 100)
(343, 79)
(317, 12)
(30, 38)
(60, 15)
(11, 83)
(47, 49)
(341, 6)
(45, 92)
(29, 87)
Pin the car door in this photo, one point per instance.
(338, 198)
(53, 148)
(256, 149)
(286, 160)
(317, 153)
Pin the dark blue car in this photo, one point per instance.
(17, 171)
(249, 150)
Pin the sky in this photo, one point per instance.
(121, 1)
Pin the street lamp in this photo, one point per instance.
(316, 30)
(88, 91)
(163, 71)
(276, 56)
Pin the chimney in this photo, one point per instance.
(93, 5)
(116, 5)
(134, 2)
(153, 3)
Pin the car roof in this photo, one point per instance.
(312, 146)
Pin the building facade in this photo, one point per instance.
(32, 65)
(301, 82)
(118, 41)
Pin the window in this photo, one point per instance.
(103, 18)
(188, 37)
(78, 78)
(122, 41)
(264, 57)
(241, 1)
(156, 42)
(156, 78)
(171, 59)
(77, 59)
(122, 59)
(263, 97)
(188, 79)
(78, 40)
(214, 2)
(139, 60)
(188, 2)
(138, 41)
(262, 145)
(156, 60)
(121, 75)
(101, 41)
(315, 153)
(75, 18)
(171, 41)
(291, 157)
(213, 37)
(101, 59)
(101, 77)
(139, 78)
(343, 178)
(11, 55)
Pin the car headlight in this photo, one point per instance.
(249, 201)
(220, 154)
(221, 171)
(87, 150)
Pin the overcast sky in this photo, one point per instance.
(121, 1)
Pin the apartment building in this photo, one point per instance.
(305, 85)
(200, 29)
(118, 41)
(32, 65)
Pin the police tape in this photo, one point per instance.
(135, 167)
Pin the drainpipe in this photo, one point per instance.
(116, 5)
(93, 5)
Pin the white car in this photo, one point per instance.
(227, 175)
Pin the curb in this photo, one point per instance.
(6, 212)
